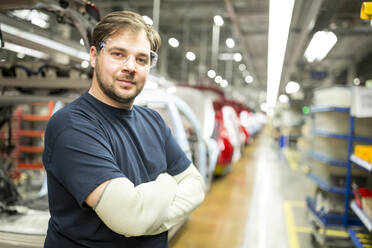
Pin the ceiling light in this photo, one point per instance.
(20, 55)
(34, 16)
(25, 50)
(242, 67)
(218, 20)
(211, 73)
(248, 79)
(237, 57)
(84, 64)
(40, 23)
(224, 83)
(46, 42)
(283, 98)
(190, 56)
(173, 42)
(230, 43)
(280, 15)
(356, 81)
(319, 46)
(218, 79)
(292, 87)
(148, 20)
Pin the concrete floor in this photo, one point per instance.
(260, 204)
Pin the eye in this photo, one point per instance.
(117, 55)
(142, 60)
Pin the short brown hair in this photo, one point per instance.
(116, 22)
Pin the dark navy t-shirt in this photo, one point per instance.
(88, 142)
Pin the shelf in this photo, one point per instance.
(340, 136)
(31, 149)
(362, 139)
(360, 240)
(46, 83)
(362, 215)
(327, 160)
(32, 117)
(30, 166)
(349, 138)
(329, 134)
(22, 99)
(329, 219)
(317, 109)
(326, 186)
(31, 133)
(4, 135)
(361, 163)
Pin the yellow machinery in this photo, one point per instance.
(366, 11)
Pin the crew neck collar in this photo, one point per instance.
(126, 112)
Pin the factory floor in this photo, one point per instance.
(260, 203)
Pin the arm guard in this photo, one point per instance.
(190, 194)
(132, 211)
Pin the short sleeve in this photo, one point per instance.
(81, 160)
(177, 160)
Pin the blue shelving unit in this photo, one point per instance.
(315, 109)
(350, 138)
(360, 240)
(328, 219)
(327, 160)
(325, 185)
(356, 239)
(340, 136)
(367, 222)
(329, 134)
(361, 163)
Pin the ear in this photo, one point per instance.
(93, 56)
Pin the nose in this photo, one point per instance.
(130, 63)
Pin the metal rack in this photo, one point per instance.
(31, 134)
(361, 215)
(327, 160)
(361, 240)
(361, 163)
(324, 219)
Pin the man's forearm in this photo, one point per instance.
(189, 195)
(133, 211)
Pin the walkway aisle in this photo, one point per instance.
(220, 220)
(278, 215)
(259, 204)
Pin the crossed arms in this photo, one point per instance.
(149, 208)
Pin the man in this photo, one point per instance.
(116, 176)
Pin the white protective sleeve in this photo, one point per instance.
(133, 211)
(189, 195)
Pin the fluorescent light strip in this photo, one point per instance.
(45, 42)
(320, 45)
(279, 21)
(24, 50)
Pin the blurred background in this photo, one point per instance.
(271, 100)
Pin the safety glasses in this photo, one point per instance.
(120, 55)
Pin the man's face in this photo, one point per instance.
(120, 68)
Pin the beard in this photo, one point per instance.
(109, 91)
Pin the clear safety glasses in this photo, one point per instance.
(120, 55)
